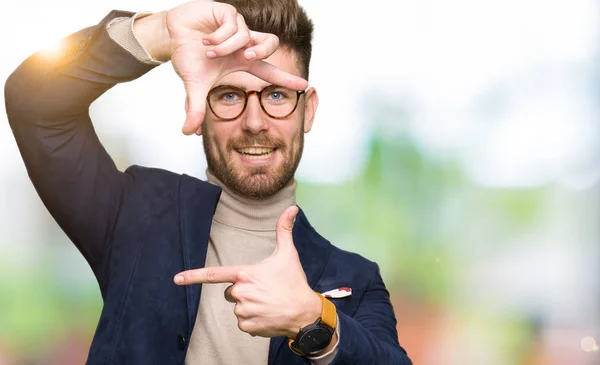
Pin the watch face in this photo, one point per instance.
(314, 340)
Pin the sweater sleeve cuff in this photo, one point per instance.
(327, 358)
(121, 31)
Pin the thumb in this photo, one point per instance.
(195, 106)
(284, 227)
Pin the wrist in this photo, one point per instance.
(308, 312)
(317, 337)
(152, 34)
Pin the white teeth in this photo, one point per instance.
(256, 153)
(258, 157)
(256, 150)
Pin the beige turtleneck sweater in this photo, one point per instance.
(242, 232)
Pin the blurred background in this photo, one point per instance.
(457, 144)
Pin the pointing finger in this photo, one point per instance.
(272, 74)
(209, 275)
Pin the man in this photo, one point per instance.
(150, 236)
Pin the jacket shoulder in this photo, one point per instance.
(158, 187)
(151, 179)
(353, 262)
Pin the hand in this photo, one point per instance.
(272, 297)
(205, 41)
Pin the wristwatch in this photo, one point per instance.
(315, 337)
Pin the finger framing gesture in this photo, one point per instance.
(204, 42)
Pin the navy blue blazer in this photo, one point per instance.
(138, 228)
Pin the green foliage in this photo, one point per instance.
(416, 216)
(40, 310)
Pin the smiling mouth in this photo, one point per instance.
(256, 153)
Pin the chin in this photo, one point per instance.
(259, 185)
(256, 181)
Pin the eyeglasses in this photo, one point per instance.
(229, 102)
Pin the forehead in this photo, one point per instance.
(283, 59)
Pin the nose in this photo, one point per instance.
(254, 120)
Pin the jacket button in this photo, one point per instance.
(181, 341)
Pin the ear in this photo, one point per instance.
(310, 108)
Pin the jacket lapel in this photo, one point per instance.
(197, 203)
(314, 252)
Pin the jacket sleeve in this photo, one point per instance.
(47, 102)
(370, 336)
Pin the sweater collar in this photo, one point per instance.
(248, 214)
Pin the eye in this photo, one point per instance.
(229, 97)
(278, 95)
(275, 95)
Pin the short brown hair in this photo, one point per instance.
(284, 18)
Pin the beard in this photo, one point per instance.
(254, 182)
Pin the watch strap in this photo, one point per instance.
(328, 312)
(328, 317)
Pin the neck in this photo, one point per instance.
(250, 214)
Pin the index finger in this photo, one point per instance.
(272, 74)
(210, 275)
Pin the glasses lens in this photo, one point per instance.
(227, 101)
(279, 101)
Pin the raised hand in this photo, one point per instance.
(272, 297)
(205, 41)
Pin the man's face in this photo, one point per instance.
(256, 155)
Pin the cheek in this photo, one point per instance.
(218, 137)
(298, 134)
